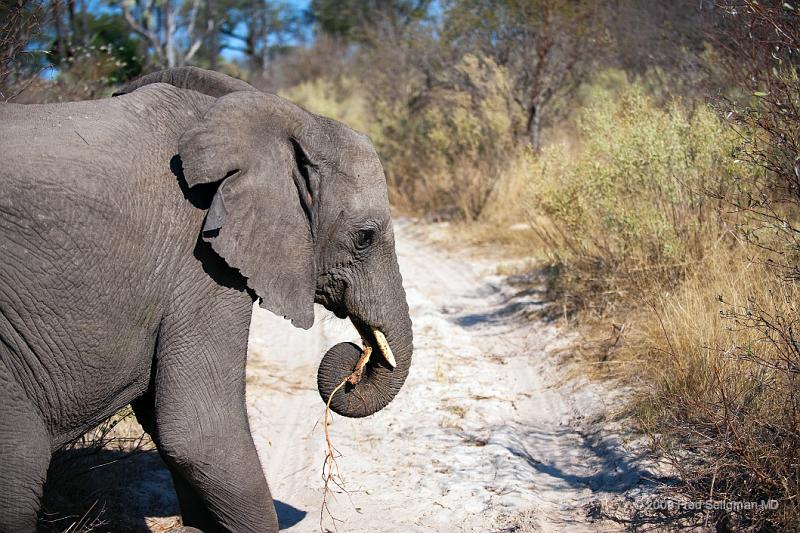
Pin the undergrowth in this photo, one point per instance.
(664, 221)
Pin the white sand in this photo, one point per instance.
(487, 434)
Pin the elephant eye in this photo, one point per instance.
(364, 238)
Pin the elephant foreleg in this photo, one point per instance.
(24, 457)
(201, 420)
(193, 510)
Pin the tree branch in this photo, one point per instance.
(147, 34)
(198, 42)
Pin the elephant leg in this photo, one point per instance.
(24, 457)
(193, 510)
(201, 418)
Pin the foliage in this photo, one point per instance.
(109, 38)
(359, 21)
(446, 153)
(343, 100)
(84, 30)
(644, 226)
(20, 23)
(763, 55)
(546, 47)
(89, 73)
(258, 29)
(41, 64)
(722, 401)
(726, 406)
(631, 212)
(443, 154)
(680, 229)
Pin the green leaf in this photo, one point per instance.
(760, 94)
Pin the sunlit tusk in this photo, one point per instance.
(384, 347)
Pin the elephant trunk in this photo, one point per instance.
(381, 380)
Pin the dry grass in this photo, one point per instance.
(722, 401)
(655, 264)
(715, 357)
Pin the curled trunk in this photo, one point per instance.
(379, 383)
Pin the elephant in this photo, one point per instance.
(137, 233)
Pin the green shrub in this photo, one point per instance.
(445, 148)
(669, 223)
(91, 73)
(629, 209)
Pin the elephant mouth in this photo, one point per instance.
(373, 338)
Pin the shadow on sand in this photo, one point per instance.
(117, 491)
(527, 297)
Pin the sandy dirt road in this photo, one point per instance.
(487, 434)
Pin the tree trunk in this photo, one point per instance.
(264, 63)
(534, 127)
(169, 34)
(73, 26)
(61, 46)
(84, 24)
(253, 36)
(213, 37)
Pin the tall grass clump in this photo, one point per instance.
(725, 402)
(721, 365)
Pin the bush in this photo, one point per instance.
(725, 404)
(20, 23)
(341, 99)
(446, 150)
(629, 212)
(89, 74)
(680, 230)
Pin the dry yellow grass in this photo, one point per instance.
(722, 368)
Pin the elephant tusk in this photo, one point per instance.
(383, 346)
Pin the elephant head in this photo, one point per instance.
(301, 210)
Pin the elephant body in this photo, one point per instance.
(84, 289)
(126, 276)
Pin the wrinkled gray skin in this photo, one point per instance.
(135, 233)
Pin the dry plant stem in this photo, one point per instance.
(330, 466)
(355, 377)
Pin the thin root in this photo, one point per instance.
(330, 469)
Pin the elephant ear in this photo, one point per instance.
(259, 221)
